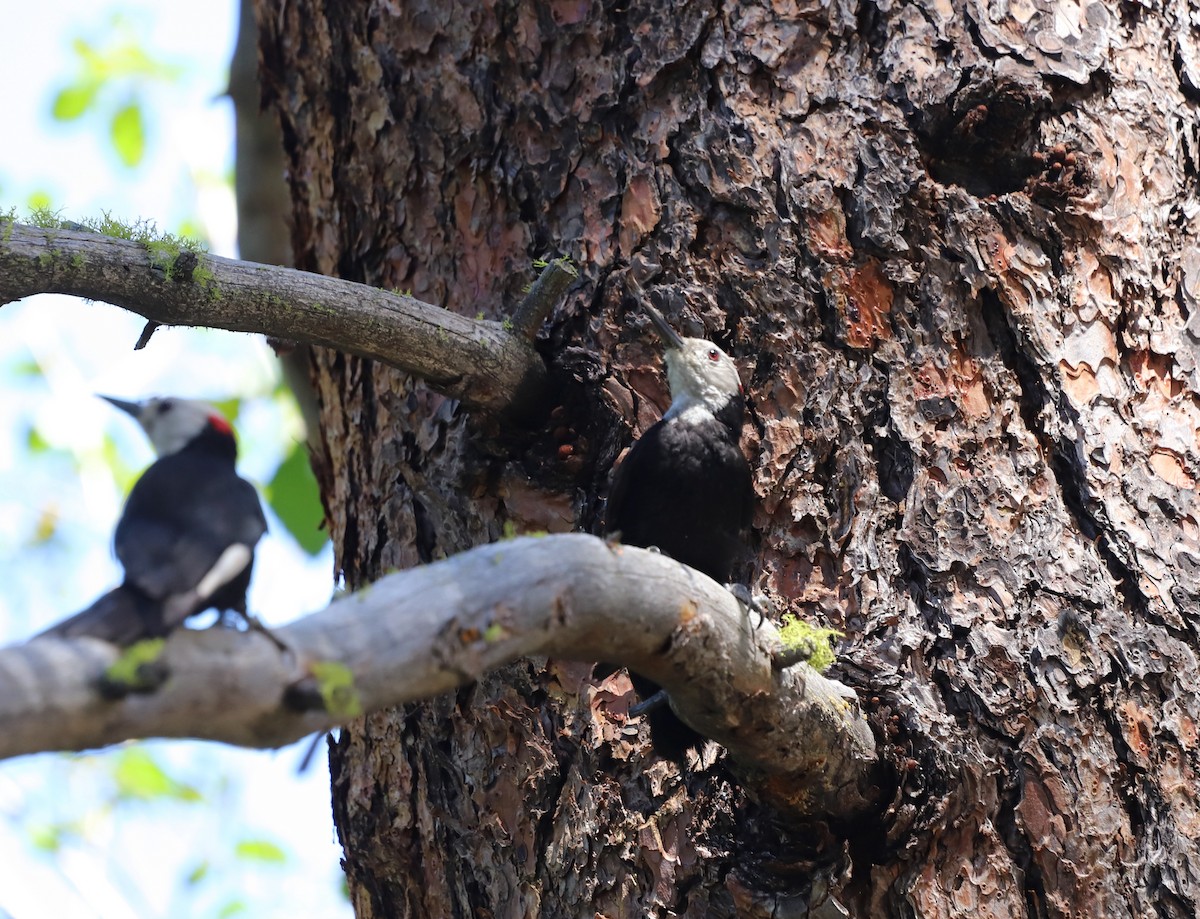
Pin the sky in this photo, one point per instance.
(74, 840)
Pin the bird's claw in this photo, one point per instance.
(753, 601)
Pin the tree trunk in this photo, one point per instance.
(952, 251)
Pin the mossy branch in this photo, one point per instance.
(171, 282)
(799, 739)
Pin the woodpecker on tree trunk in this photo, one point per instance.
(685, 487)
(187, 534)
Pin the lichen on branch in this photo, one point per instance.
(798, 737)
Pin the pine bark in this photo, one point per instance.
(952, 248)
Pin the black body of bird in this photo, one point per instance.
(187, 534)
(685, 487)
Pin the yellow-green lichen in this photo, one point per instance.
(136, 667)
(335, 682)
(494, 633)
(814, 642)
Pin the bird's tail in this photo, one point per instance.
(118, 617)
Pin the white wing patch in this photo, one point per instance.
(233, 561)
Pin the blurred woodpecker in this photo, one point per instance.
(187, 534)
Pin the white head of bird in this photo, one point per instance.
(171, 423)
(700, 375)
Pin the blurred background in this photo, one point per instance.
(123, 109)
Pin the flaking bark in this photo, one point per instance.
(952, 246)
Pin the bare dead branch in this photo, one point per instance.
(545, 293)
(477, 361)
(798, 736)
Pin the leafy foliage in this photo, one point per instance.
(292, 494)
(260, 850)
(139, 777)
(128, 133)
(119, 67)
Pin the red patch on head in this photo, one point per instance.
(220, 424)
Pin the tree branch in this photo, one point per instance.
(477, 361)
(543, 296)
(799, 737)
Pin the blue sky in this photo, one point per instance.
(133, 859)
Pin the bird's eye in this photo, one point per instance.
(164, 407)
(714, 354)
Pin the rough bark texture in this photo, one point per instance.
(952, 247)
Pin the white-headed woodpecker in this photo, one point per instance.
(685, 487)
(187, 534)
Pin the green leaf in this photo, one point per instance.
(293, 496)
(39, 200)
(26, 368)
(74, 101)
(139, 777)
(230, 408)
(129, 134)
(197, 874)
(260, 850)
(232, 908)
(47, 524)
(36, 442)
(49, 838)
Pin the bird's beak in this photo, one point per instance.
(670, 337)
(133, 408)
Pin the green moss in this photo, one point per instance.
(204, 276)
(494, 633)
(508, 530)
(136, 668)
(814, 642)
(335, 681)
(164, 248)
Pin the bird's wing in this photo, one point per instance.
(169, 537)
(618, 493)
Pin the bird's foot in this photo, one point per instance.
(254, 624)
(753, 601)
